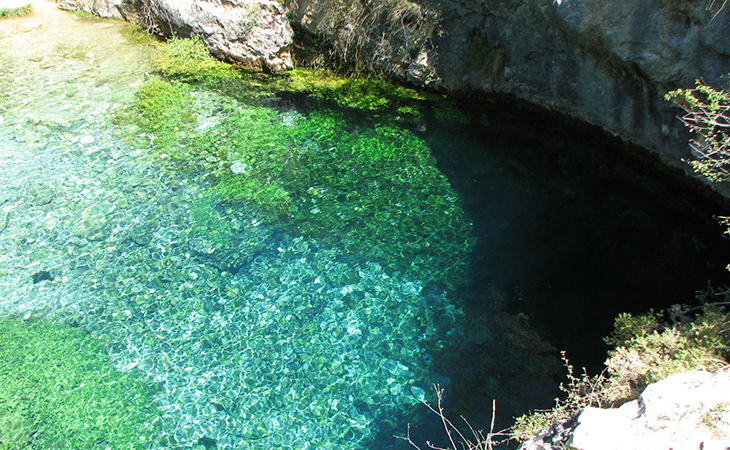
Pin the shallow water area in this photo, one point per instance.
(253, 335)
(282, 273)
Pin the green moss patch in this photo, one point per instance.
(374, 189)
(647, 348)
(58, 390)
(190, 60)
(352, 92)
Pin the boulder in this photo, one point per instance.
(251, 32)
(254, 33)
(687, 411)
(110, 9)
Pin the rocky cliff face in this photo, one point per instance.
(606, 63)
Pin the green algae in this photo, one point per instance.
(236, 266)
(58, 381)
(375, 188)
(370, 94)
(189, 60)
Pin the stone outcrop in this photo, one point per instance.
(110, 9)
(607, 63)
(687, 411)
(255, 33)
(251, 32)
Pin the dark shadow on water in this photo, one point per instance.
(573, 227)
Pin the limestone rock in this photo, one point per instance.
(110, 9)
(687, 411)
(29, 25)
(250, 32)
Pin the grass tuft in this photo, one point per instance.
(16, 12)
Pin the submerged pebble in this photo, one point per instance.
(256, 337)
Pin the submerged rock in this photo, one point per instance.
(690, 410)
(29, 25)
(91, 222)
(15, 430)
(42, 275)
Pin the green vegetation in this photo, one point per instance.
(367, 94)
(58, 390)
(16, 12)
(707, 114)
(189, 60)
(374, 188)
(217, 232)
(408, 25)
(653, 346)
(646, 349)
(137, 34)
(88, 16)
(162, 110)
(715, 420)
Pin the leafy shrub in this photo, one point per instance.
(57, 383)
(644, 355)
(646, 349)
(707, 114)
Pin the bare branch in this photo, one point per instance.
(457, 439)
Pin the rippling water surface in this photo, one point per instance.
(253, 328)
(241, 269)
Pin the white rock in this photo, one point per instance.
(239, 167)
(29, 25)
(687, 411)
(250, 32)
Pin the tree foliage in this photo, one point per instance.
(707, 114)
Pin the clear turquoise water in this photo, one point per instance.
(258, 332)
(323, 327)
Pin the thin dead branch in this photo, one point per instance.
(458, 440)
